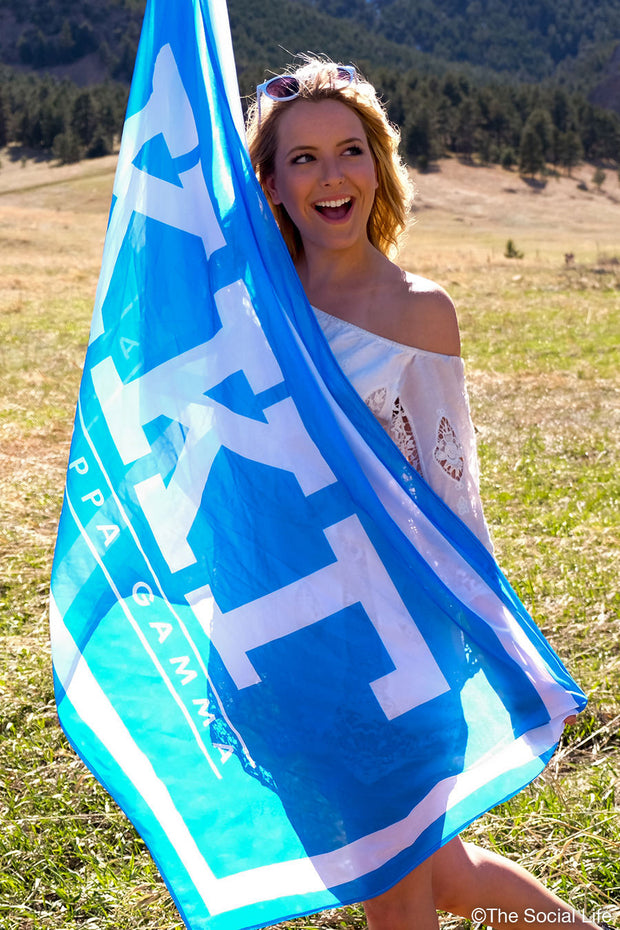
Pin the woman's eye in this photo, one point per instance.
(353, 150)
(302, 159)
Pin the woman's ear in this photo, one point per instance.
(272, 190)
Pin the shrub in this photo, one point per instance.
(512, 251)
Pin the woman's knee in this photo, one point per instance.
(408, 904)
(386, 915)
(453, 867)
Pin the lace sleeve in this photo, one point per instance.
(434, 404)
(420, 399)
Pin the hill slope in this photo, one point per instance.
(522, 39)
(507, 115)
(528, 38)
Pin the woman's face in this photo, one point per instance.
(324, 173)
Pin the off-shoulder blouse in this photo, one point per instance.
(420, 399)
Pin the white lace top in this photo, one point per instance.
(420, 398)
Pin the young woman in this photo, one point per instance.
(327, 159)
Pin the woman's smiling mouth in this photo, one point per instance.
(334, 209)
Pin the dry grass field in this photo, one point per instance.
(540, 339)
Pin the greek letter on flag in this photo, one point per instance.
(293, 668)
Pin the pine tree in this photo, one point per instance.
(100, 144)
(66, 147)
(66, 44)
(84, 117)
(4, 128)
(507, 157)
(419, 140)
(542, 124)
(570, 150)
(531, 154)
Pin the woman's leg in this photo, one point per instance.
(474, 883)
(409, 905)
(467, 879)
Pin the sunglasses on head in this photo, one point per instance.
(287, 86)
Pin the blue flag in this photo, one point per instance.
(292, 666)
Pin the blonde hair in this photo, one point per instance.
(318, 80)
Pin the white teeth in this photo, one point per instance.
(333, 203)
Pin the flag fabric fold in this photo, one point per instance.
(292, 666)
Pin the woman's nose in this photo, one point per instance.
(332, 173)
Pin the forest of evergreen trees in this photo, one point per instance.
(528, 38)
(43, 114)
(472, 112)
(60, 32)
(527, 126)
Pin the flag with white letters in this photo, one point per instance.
(292, 667)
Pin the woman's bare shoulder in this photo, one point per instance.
(428, 316)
